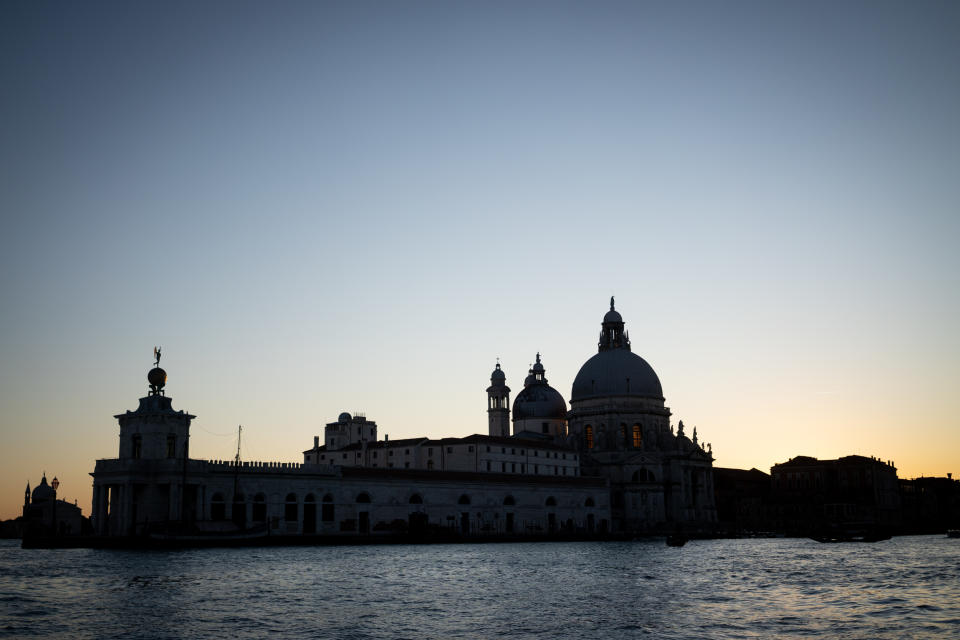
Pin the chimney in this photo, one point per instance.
(386, 437)
(316, 441)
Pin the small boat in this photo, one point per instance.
(953, 533)
(676, 540)
(852, 534)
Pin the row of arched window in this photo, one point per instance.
(218, 504)
(630, 437)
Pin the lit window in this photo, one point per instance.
(588, 432)
(637, 436)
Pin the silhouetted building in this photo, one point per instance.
(743, 501)
(620, 430)
(352, 485)
(810, 495)
(619, 466)
(930, 505)
(621, 427)
(45, 515)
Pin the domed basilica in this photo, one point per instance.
(610, 463)
(620, 427)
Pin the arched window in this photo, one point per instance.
(509, 501)
(637, 437)
(464, 499)
(551, 501)
(290, 509)
(136, 448)
(588, 434)
(363, 498)
(643, 475)
(218, 510)
(326, 511)
(416, 499)
(309, 514)
(259, 508)
(589, 502)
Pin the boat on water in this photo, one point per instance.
(953, 533)
(852, 535)
(676, 540)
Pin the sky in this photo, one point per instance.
(359, 206)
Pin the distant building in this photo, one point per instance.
(852, 491)
(44, 514)
(743, 500)
(930, 505)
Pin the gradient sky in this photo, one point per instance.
(355, 206)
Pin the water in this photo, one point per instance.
(902, 588)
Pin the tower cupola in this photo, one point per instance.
(155, 431)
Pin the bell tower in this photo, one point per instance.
(498, 404)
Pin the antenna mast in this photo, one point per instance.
(236, 467)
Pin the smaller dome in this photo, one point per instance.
(498, 375)
(43, 491)
(157, 377)
(539, 401)
(344, 417)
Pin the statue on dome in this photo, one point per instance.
(156, 354)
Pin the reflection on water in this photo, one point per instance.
(905, 587)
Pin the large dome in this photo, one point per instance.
(616, 372)
(539, 401)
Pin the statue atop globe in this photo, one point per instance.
(157, 377)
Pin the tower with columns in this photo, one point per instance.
(498, 404)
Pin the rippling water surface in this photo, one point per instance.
(902, 588)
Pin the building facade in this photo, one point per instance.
(46, 515)
(810, 495)
(353, 485)
(610, 462)
(620, 425)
